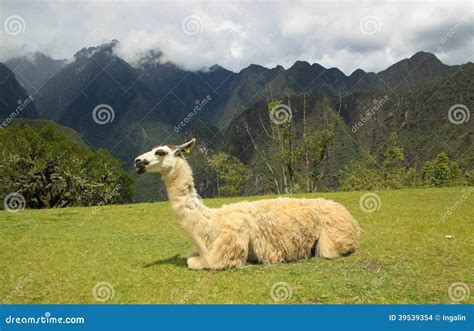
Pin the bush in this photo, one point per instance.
(389, 173)
(231, 174)
(51, 169)
(442, 172)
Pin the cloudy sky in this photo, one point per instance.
(194, 34)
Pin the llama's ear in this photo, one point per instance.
(186, 147)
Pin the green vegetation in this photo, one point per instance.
(441, 172)
(59, 255)
(388, 173)
(231, 174)
(49, 169)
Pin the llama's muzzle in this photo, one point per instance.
(140, 165)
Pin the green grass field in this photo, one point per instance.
(59, 255)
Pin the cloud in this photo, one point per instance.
(196, 35)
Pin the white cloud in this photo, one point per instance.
(235, 35)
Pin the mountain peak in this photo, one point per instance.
(254, 68)
(423, 56)
(106, 48)
(300, 65)
(413, 71)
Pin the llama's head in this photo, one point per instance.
(162, 158)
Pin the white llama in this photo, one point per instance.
(265, 231)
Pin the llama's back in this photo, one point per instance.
(285, 229)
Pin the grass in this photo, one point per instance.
(139, 249)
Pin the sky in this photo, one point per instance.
(370, 35)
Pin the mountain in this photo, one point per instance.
(419, 117)
(253, 126)
(141, 106)
(419, 69)
(256, 82)
(33, 70)
(178, 91)
(157, 102)
(14, 101)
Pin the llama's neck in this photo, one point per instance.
(192, 214)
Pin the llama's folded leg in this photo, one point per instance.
(228, 251)
(196, 263)
(192, 254)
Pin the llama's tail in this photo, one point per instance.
(339, 235)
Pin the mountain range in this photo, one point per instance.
(156, 102)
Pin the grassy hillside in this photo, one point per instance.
(59, 255)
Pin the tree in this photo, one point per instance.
(396, 175)
(441, 172)
(230, 172)
(370, 174)
(51, 169)
(362, 175)
(301, 159)
(283, 138)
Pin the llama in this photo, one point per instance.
(266, 231)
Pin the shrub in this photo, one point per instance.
(53, 169)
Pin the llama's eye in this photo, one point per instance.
(160, 152)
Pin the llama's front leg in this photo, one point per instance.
(193, 254)
(230, 250)
(196, 263)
